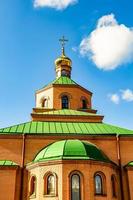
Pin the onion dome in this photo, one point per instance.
(63, 63)
(63, 60)
(71, 150)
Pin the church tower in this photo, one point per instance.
(64, 95)
(66, 151)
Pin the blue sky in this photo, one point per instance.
(29, 45)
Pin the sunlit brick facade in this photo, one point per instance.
(66, 151)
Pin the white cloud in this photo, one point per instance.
(109, 45)
(127, 95)
(114, 98)
(57, 4)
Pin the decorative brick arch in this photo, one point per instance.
(45, 178)
(32, 185)
(83, 98)
(103, 182)
(68, 95)
(81, 176)
(65, 94)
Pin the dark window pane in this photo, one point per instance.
(65, 102)
(44, 103)
(98, 184)
(75, 187)
(32, 185)
(51, 185)
(84, 104)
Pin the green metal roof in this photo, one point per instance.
(47, 128)
(7, 163)
(62, 80)
(67, 112)
(71, 150)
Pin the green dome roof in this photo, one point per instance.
(71, 150)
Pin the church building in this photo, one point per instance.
(66, 151)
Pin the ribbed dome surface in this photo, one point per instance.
(63, 58)
(71, 150)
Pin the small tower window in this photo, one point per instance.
(51, 190)
(75, 187)
(84, 104)
(98, 184)
(44, 103)
(65, 102)
(32, 185)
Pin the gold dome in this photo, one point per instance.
(63, 60)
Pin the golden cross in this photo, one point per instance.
(63, 42)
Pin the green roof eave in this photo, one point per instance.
(70, 158)
(59, 128)
(67, 112)
(7, 163)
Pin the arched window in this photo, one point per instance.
(113, 183)
(75, 187)
(32, 185)
(51, 185)
(84, 104)
(65, 102)
(98, 184)
(44, 103)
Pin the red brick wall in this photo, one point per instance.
(8, 184)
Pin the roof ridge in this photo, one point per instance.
(84, 147)
(42, 149)
(97, 148)
(64, 146)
